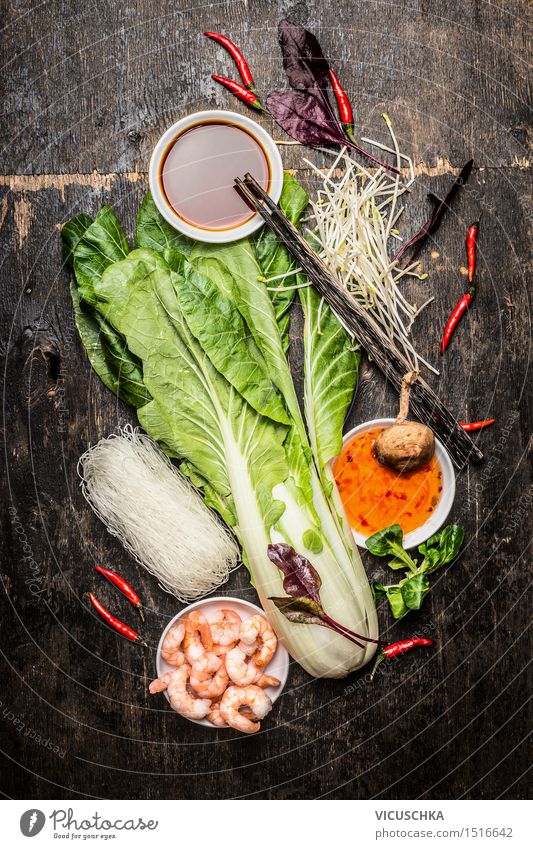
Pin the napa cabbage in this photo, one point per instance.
(191, 337)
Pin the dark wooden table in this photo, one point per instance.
(87, 89)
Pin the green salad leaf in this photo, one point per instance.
(154, 232)
(210, 314)
(102, 244)
(239, 267)
(274, 259)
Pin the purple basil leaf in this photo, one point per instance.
(304, 118)
(302, 611)
(301, 578)
(303, 60)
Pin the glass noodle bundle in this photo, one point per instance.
(156, 514)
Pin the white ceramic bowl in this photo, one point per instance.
(442, 510)
(278, 666)
(269, 147)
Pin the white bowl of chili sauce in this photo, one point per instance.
(193, 168)
(375, 496)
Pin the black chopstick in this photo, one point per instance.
(423, 401)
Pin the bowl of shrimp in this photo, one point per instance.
(220, 664)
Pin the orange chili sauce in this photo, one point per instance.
(375, 496)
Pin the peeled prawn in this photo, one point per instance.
(267, 680)
(171, 648)
(205, 667)
(256, 630)
(159, 685)
(216, 717)
(225, 625)
(253, 698)
(175, 683)
(241, 670)
(197, 639)
(212, 688)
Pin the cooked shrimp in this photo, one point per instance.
(197, 639)
(175, 683)
(205, 667)
(248, 648)
(160, 684)
(241, 670)
(170, 650)
(221, 651)
(211, 688)
(257, 629)
(267, 680)
(224, 626)
(216, 717)
(236, 698)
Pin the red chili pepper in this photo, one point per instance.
(124, 588)
(344, 106)
(123, 629)
(248, 97)
(459, 310)
(398, 648)
(237, 57)
(471, 246)
(468, 426)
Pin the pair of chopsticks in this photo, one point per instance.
(423, 401)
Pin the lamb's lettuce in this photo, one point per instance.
(409, 593)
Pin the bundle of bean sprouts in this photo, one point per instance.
(156, 514)
(355, 213)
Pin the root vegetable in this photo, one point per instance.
(405, 446)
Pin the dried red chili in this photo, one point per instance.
(396, 649)
(237, 57)
(471, 249)
(125, 588)
(344, 106)
(470, 426)
(121, 627)
(433, 223)
(244, 94)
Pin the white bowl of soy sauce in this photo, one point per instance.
(193, 168)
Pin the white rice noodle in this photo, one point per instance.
(157, 515)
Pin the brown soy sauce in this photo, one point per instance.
(198, 170)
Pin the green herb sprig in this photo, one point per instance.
(409, 593)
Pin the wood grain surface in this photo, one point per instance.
(87, 90)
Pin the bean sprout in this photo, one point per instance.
(355, 213)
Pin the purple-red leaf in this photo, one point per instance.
(304, 118)
(302, 611)
(303, 59)
(302, 584)
(301, 578)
